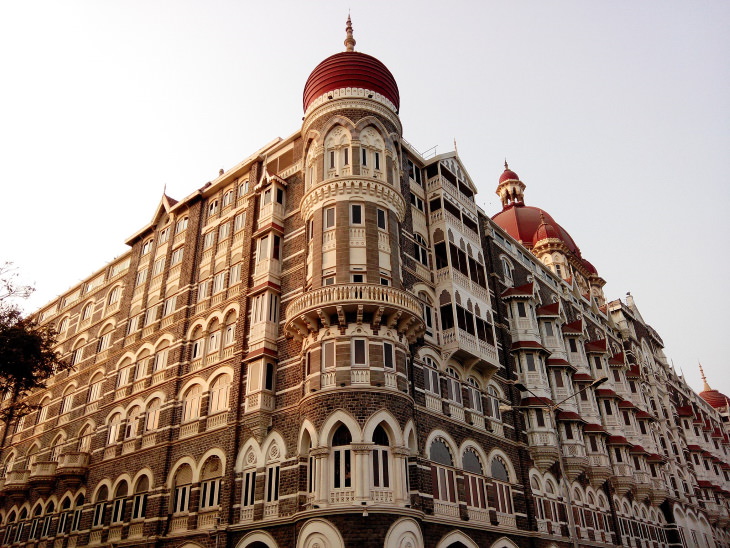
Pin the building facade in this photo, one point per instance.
(331, 345)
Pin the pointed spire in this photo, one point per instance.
(704, 379)
(506, 166)
(349, 40)
(456, 149)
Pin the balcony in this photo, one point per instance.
(574, 459)
(42, 475)
(643, 485)
(659, 491)
(16, 484)
(72, 464)
(440, 182)
(543, 447)
(599, 469)
(377, 304)
(623, 478)
(464, 345)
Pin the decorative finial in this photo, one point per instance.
(349, 40)
(506, 167)
(456, 150)
(704, 379)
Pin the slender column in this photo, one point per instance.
(362, 470)
(321, 478)
(400, 469)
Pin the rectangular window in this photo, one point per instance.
(332, 159)
(177, 256)
(540, 416)
(568, 431)
(558, 376)
(521, 312)
(219, 282)
(364, 156)
(597, 361)
(382, 220)
(346, 152)
(329, 217)
(98, 519)
(276, 251)
(209, 239)
(249, 489)
(210, 493)
(141, 278)
(548, 329)
(224, 231)
(182, 499)
(272, 483)
(358, 278)
(118, 511)
(235, 275)
(76, 520)
(377, 160)
(239, 221)
(158, 267)
(164, 235)
(573, 346)
(388, 355)
(169, 306)
(530, 362)
(359, 353)
(607, 407)
(356, 214)
(328, 356)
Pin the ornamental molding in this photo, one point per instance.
(342, 189)
(350, 98)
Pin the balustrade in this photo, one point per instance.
(444, 508)
(189, 429)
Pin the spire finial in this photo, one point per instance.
(349, 40)
(704, 379)
(505, 163)
(456, 149)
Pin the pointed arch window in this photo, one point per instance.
(501, 479)
(342, 458)
(139, 506)
(381, 458)
(210, 483)
(442, 472)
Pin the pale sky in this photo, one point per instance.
(614, 114)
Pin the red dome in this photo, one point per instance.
(508, 175)
(590, 267)
(544, 231)
(715, 398)
(521, 222)
(351, 69)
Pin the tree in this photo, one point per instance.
(27, 349)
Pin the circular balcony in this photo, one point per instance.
(379, 305)
(346, 187)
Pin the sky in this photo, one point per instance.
(614, 114)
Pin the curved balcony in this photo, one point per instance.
(353, 186)
(543, 448)
(599, 469)
(574, 459)
(72, 467)
(643, 485)
(376, 304)
(42, 475)
(16, 484)
(659, 491)
(623, 478)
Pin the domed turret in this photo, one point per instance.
(351, 70)
(544, 231)
(715, 398)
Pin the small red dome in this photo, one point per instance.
(508, 175)
(715, 398)
(521, 222)
(589, 267)
(545, 231)
(351, 69)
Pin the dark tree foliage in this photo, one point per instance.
(27, 355)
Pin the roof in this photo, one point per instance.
(616, 359)
(606, 393)
(617, 440)
(549, 310)
(569, 416)
(598, 346)
(351, 69)
(592, 427)
(521, 222)
(573, 328)
(519, 345)
(583, 377)
(519, 291)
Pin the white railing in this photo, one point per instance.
(506, 520)
(433, 402)
(179, 523)
(329, 379)
(360, 376)
(217, 420)
(110, 452)
(73, 460)
(271, 509)
(260, 400)
(115, 533)
(357, 237)
(391, 380)
(342, 496)
(128, 447)
(478, 514)
(542, 438)
(598, 460)
(457, 412)
(158, 377)
(189, 429)
(384, 496)
(95, 537)
(136, 530)
(148, 440)
(361, 293)
(247, 513)
(444, 508)
(207, 520)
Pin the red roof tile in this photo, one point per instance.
(626, 404)
(593, 428)
(549, 310)
(559, 362)
(573, 328)
(617, 440)
(685, 411)
(616, 359)
(536, 402)
(519, 291)
(606, 393)
(569, 416)
(598, 346)
(519, 345)
(583, 377)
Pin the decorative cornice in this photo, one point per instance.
(352, 186)
(351, 98)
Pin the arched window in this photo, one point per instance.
(56, 447)
(214, 338)
(139, 507)
(85, 439)
(100, 506)
(78, 511)
(500, 476)
(65, 512)
(161, 356)
(78, 352)
(43, 411)
(10, 529)
(372, 151)
(191, 403)
(337, 152)
(114, 295)
(198, 343)
(182, 484)
(31, 456)
(341, 458)
(431, 376)
(152, 418)
(381, 458)
(475, 396)
(95, 388)
(133, 418)
(474, 486)
(453, 385)
(34, 526)
(21, 524)
(67, 400)
(63, 326)
(219, 394)
(120, 502)
(114, 426)
(142, 367)
(211, 483)
(493, 404)
(421, 249)
(87, 311)
(442, 473)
